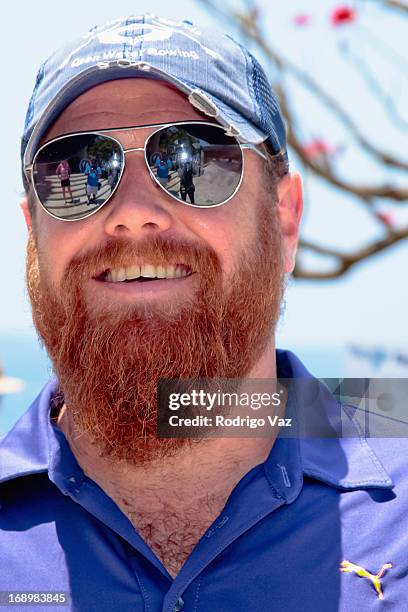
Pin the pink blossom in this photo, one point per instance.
(317, 148)
(385, 217)
(301, 20)
(342, 14)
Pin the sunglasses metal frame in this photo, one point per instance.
(29, 169)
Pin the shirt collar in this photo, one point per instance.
(344, 461)
(34, 445)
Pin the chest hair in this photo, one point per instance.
(172, 534)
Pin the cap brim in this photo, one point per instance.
(248, 131)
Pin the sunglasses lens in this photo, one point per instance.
(75, 175)
(197, 164)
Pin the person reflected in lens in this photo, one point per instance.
(63, 172)
(163, 173)
(92, 184)
(187, 187)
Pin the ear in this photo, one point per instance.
(26, 212)
(290, 208)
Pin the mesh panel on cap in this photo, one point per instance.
(267, 103)
(269, 116)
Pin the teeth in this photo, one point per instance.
(120, 274)
(147, 271)
(132, 272)
(170, 271)
(161, 272)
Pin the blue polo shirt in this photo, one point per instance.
(93, 178)
(277, 544)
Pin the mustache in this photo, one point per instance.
(122, 252)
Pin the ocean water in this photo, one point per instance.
(23, 358)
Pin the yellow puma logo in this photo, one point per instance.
(347, 566)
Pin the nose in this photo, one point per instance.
(138, 205)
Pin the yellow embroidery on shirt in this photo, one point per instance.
(347, 566)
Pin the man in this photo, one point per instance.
(98, 511)
(186, 182)
(92, 184)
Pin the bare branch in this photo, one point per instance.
(347, 260)
(366, 192)
(398, 5)
(321, 250)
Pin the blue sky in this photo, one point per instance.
(367, 306)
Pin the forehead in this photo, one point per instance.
(122, 103)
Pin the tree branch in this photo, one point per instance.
(398, 5)
(366, 192)
(347, 260)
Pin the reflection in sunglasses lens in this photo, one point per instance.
(197, 164)
(75, 175)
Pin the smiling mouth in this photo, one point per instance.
(145, 273)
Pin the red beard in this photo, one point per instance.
(109, 362)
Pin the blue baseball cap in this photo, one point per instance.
(218, 75)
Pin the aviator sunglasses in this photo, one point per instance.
(196, 163)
